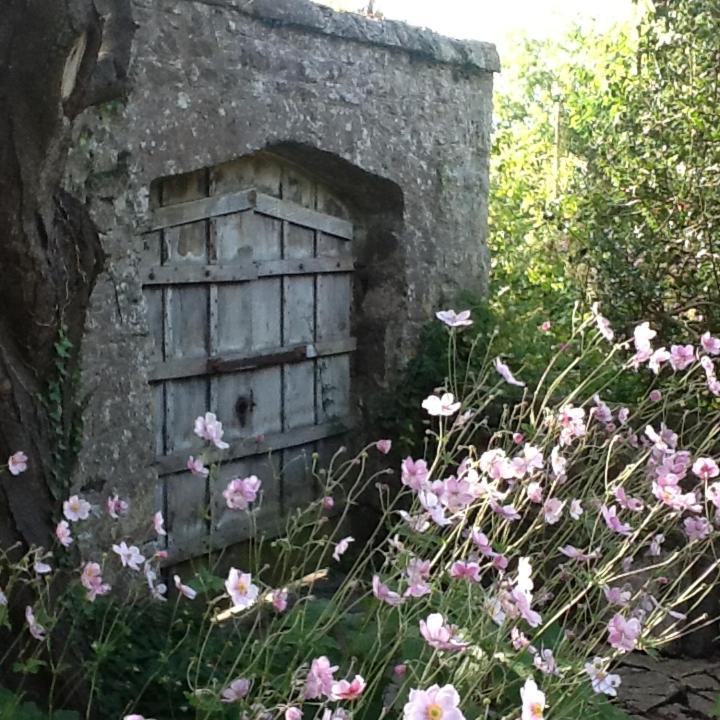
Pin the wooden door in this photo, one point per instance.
(248, 282)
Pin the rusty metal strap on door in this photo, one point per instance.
(191, 367)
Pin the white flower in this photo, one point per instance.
(75, 508)
(602, 681)
(129, 556)
(240, 588)
(444, 405)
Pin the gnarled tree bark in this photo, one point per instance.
(57, 58)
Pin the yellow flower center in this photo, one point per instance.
(536, 711)
(242, 588)
(434, 712)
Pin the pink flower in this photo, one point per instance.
(613, 521)
(627, 502)
(462, 570)
(197, 467)
(442, 406)
(681, 356)
(76, 508)
(705, 468)
(603, 325)
(522, 603)
(533, 701)
(574, 554)
(480, 540)
(545, 662)
(453, 319)
(500, 562)
(414, 473)
(159, 523)
(602, 681)
(504, 371)
(617, 596)
(657, 359)
(623, 634)
(116, 507)
(17, 463)
(518, 639)
(655, 396)
(697, 528)
(209, 428)
(236, 690)
(293, 713)
(601, 410)
(36, 630)
(42, 568)
(328, 503)
(240, 588)
(320, 679)
(623, 415)
(576, 509)
(279, 600)
(240, 492)
(384, 593)
(129, 556)
(344, 690)
(496, 464)
(341, 547)
(552, 510)
(384, 446)
(184, 590)
(710, 344)
(439, 634)
(505, 511)
(572, 424)
(455, 494)
(435, 703)
(642, 336)
(558, 463)
(534, 492)
(545, 326)
(91, 580)
(518, 438)
(63, 534)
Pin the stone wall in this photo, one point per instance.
(395, 119)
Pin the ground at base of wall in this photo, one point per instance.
(669, 688)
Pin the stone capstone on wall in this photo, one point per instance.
(394, 120)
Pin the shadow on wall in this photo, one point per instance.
(376, 206)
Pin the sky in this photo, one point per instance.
(496, 20)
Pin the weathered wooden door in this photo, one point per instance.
(248, 284)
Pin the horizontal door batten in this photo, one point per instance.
(195, 210)
(177, 462)
(191, 367)
(242, 272)
(215, 206)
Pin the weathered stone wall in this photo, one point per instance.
(345, 97)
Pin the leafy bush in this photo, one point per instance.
(502, 577)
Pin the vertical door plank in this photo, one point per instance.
(185, 400)
(188, 321)
(334, 298)
(187, 510)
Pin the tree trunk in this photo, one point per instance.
(57, 57)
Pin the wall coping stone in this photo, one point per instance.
(472, 55)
